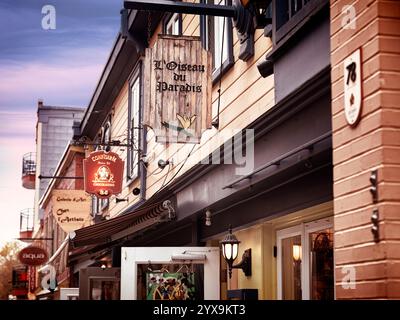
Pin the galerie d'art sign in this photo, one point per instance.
(177, 98)
(103, 172)
(71, 209)
(32, 256)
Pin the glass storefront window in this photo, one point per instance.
(104, 289)
(321, 265)
(305, 261)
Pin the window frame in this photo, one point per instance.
(106, 128)
(95, 203)
(303, 229)
(228, 32)
(167, 18)
(137, 74)
(294, 23)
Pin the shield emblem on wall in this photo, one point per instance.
(177, 95)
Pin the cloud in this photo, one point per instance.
(78, 24)
(17, 125)
(13, 197)
(69, 80)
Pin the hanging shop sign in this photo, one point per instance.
(71, 209)
(103, 173)
(32, 256)
(352, 87)
(177, 99)
(32, 278)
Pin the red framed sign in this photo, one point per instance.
(103, 173)
(32, 256)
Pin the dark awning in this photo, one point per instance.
(124, 225)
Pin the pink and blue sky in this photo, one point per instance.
(60, 66)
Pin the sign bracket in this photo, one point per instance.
(58, 177)
(182, 7)
(114, 143)
(246, 20)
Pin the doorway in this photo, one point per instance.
(96, 283)
(305, 267)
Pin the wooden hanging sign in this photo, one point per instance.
(177, 95)
(103, 173)
(71, 209)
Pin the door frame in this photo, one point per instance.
(132, 256)
(87, 274)
(309, 227)
(303, 229)
(280, 235)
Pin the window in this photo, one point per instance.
(95, 206)
(173, 24)
(106, 135)
(134, 122)
(290, 13)
(106, 139)
(217, 37)
(305, 261)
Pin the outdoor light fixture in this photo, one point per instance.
(230, 250)
(259, 10)
(136, 191)
(162, 164)
(208, 218)
(296, 252)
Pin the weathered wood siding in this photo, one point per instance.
(245, 96)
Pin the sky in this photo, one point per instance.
(61, 66)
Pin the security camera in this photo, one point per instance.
(136, 191)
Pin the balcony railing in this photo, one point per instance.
(26, 223)
(29, 170)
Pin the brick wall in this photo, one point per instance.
(373, 144)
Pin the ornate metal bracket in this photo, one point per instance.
(245, 19)
(167, 204)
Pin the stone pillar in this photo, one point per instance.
(373, 144)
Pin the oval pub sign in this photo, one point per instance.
(32, 256)
(103, 172)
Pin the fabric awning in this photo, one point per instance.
(124, 225)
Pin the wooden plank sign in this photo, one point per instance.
(71, 209)
(177, 94)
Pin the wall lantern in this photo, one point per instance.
(230, 250)
(297, 252)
